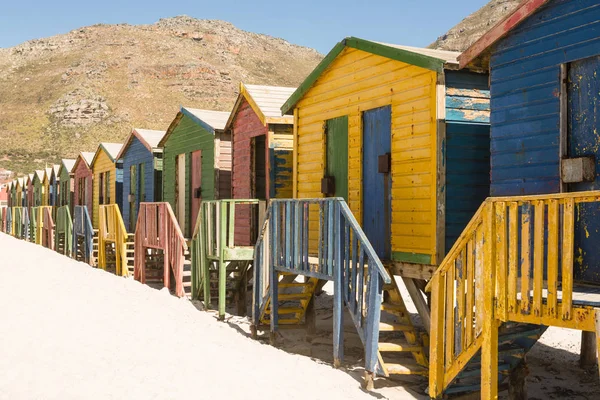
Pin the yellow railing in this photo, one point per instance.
(504, 267)
(111, 229)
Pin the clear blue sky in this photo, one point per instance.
(314, 23)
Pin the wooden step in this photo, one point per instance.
(283, 321)
(286, 310)
(294, 296)
(385, 327)
(398, 345)
(406, 369)
(294, 285)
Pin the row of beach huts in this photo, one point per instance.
(465, 181)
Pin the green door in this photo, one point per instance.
(336, 138)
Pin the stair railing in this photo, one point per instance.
(3, 219)
(214, 244)
(35, 225)
(111, 229)
(157, 228)
(509, 264)
(64, 230)
(83, 229)
(9, 221)
(22, 223)
(321, 238)
(47, 226)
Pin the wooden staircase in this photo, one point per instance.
(294, 299)
(508, 276)
(94, 260)
(130, 253)
(401, 346)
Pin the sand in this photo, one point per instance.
(69, 331)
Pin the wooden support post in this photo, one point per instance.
(587, 354)
(419, 302)
(436, 353)
(597, 312)
(489, 348)
(517, 389)
(273, 274)
(338, 289)
(310, 317)
(222, 266)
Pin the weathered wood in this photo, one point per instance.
(436, 355)
(553, 230)
(419, 302)
(538, 256)
(517, 389)
(525, 257)
(500, 242)
(588, 351)
(567, 258)
(489, 349)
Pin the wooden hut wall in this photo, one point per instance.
(186, 138)
(141, 159)
(544, 92)
(83, 187)
(358, 81)
(38, 191)
(67, 188)
(105, 170)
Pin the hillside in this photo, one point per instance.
(470, 29)
(67, 93)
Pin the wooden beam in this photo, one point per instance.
(415, 271)
(587, 353)
(419, 301)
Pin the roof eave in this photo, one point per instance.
(498, 31)
(393, 53)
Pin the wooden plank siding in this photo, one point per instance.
(357, 81)
(223, 164)
(135, 154)
(82, 173)
(188, 136)
(102, 164)
(281, 162)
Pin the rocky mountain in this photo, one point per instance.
(470, 29)
(67, 93)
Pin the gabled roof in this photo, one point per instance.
(48, 173)
(112, 150)
(20, 181)
(29, 178)
(435, 60)
(54, 172)
(66, 163)
(39, 174)
(210, 120)
(149, 138)
(500, 30)
(85, 157)
(266, 101)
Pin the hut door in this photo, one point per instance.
(133, 182)
(196, 187)
(336, 138)
(377, 179)
(180, 190)
(583, 110)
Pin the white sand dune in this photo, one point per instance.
(68, 331)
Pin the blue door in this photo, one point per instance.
(376, 186)
(583, 140)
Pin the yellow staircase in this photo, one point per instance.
(509, 275)
(401, 347)
(294, 299)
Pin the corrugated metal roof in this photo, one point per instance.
(87, 157)
(152, 137)
(216, 119)
(270, 99)
(112, 149)
(68, 164)
(450, 57)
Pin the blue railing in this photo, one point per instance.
(320, 238)
(82, 228)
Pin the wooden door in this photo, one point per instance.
(196, 184)
(133, 182)
(180, 190)
(583, 103)
(336, 138)
(376, 180)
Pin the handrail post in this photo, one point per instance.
(436, 347)
(489, 350)
(273, 275)
(204, 209)
(223, 212)
(338, 275)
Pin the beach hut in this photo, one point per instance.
(39, 189)
(142, 172)
(30, 193)
(108, 178)
(403, 137)
(54, 186)
(17, 192)
(83, 181)
(262, 143)
(66, 181)
(196, 163)
(546, 109)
